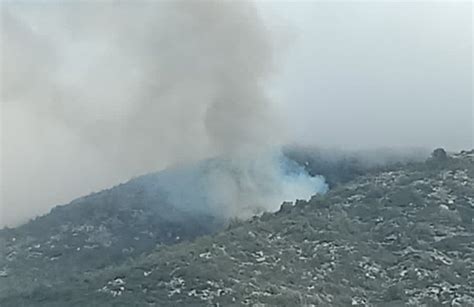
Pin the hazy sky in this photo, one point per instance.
(376, 73)
(94, 94)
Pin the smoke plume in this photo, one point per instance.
(96, 92)
(236, 186)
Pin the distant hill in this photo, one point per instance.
(89, 250)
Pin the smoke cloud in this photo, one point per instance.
(233, 186)
(96, 92)
(236, 186)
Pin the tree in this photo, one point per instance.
(439, 154)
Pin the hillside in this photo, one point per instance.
(93, 232)
(111, 226)
(401, 236)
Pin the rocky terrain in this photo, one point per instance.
(403, 236)
(111, 226)
(95, 231)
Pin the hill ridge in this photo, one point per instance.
(400, 237)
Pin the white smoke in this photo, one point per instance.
(239, 185)
(94, 93)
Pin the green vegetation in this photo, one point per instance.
(403, 236)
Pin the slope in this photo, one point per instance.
(398, 237)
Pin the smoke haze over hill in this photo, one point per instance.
(95, 93)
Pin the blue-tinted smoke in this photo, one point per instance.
(238, 186)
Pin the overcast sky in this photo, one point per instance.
(367, 73)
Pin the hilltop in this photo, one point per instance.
(399, 236)
(108, 227)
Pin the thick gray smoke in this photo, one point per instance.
(96, 92)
